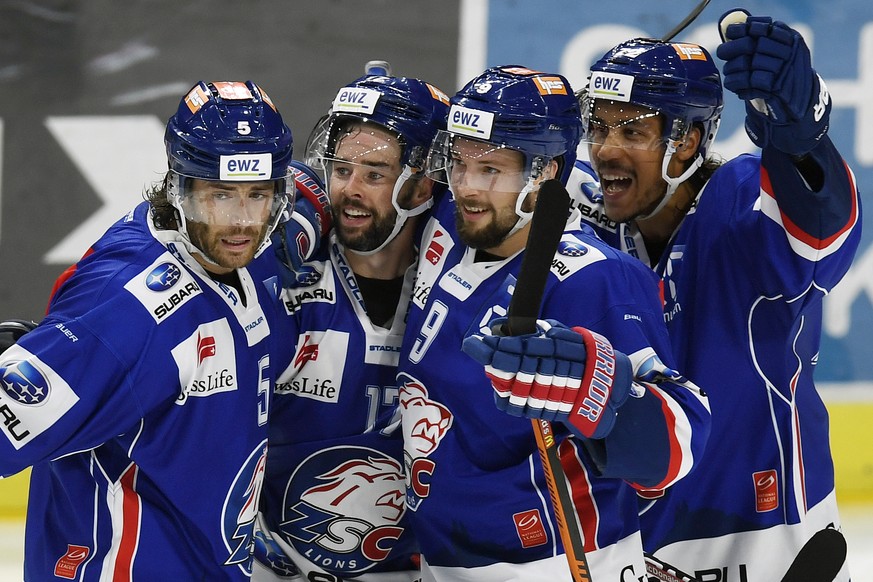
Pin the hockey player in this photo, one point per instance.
(475, 480)
(333, 499)
(141, 400)
(746, 252)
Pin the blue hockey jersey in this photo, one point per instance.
(141, 401)
(744, 277)
(475, 480)
(334, 489)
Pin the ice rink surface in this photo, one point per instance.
(857, 527)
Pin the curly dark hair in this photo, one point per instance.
(699, 178)
(164, 214)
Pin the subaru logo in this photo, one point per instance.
(24, 383)
(163, 277)
(572, 249)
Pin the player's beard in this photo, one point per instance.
(208, 240)
(492, 234)
(364, 239)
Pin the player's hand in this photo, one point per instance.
(768, 65)
(298, 239)
(11, 331)
(569, 375)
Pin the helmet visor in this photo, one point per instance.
(623, 125)
(341, 143)
(465, 163)
(358, 154)
(234, 203)
(316, 145)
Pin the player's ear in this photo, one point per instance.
(422, 191)
(687, 148)
(550, 171)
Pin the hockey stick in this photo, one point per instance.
(819, 560)
(687, 20)
(547, 225)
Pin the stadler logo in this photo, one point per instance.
(24, 383)
(572, 249)
(163, 277)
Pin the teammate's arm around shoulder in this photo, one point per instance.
(660, 432)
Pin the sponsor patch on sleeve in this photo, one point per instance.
(33, 397)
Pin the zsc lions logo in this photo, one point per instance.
(163, 277)
(24, 383)
(344, 509)
(572, 249)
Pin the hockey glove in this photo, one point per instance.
(569, 375)
(768, 65)
(11, 331)
(298, 239)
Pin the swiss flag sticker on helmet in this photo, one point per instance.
(233, 90)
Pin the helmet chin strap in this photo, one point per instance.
(174, 194)
(403, 214)
(672, 183)
(523, 217)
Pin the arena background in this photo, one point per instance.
(87, 85)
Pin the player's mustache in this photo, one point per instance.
(347, 204)
(606, 167)
(250, 231)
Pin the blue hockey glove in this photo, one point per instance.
(768, 65)
(570, 375)
(11, 331)
(298, 239)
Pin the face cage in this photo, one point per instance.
(285, 191)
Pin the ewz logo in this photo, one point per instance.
(470, 122)
(243, 166)
(351, 97)
(611, 85)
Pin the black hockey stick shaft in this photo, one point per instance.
(547, 225)
(685, 22)
(819, 560)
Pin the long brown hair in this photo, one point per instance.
(164, 214)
